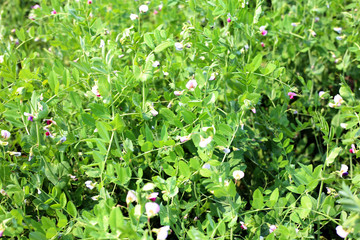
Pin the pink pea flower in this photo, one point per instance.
(292, 95)
(352, 149)
(89, 2)
(153, 196)
(5, 134)
(263, 31)
(152, 209)
(154, 112)
(272, 228)
(341, 232)
(30, 116)
(191, 85)
(185, 138)
(53, 12)
(243, 226)
(178, 93)
(95, 90)
(228, 20)
(321, 94)
(253, 110)
(262, 44)
(155, 12)
(131, 197)
(36, 6)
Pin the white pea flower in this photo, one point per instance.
(341, 232)
(179, 46)
(143, 8)
(133, 17)
(205, 141)
(238, 174)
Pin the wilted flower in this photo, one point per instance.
(143, 8)
(341, 232)
(30, 116)
(95, 198)
(317, 19)
(53, 12)
(5, 134)
(238, 174)
(156, 64)
(338, 29)
(16, 154)
(205, 141)
(292, 95)
(272, 228)
(131, 197)
(152, 196)
(263, 31)
(179, 46)
(243, 226)
(133, 16)
(152, 209)
(102, 44)
(343, 170)
(178, 93)
(191, 85)
(89, 184)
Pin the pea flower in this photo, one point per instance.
(343, 125)
(243, 226)
(5, 134)
(228, 20)
(179, 46)
(272, 228)
(152, 196)
(338, 29)
(253, 110)
(340, 38)
(3, 192)
(341, 232)
(226, 150)
(63, 139)
(143, 8)
(36, 6)
(152, 209)
(294, 24)
(238, 174)
(292, 95)
(343, 170)
(53, 12)
(317, 19)
(205, 141)
(95, 90)
(95, 198)
(148, 187)
(178, 93)
(89, 184)
(338, 100)
(2, 229)
(185, 138)
(353, 149)
(321, 94)
(263, 31)
(206, 166)
(191, 85)
(262, 44)
(89, 2)
(156, 64)
(213, 76)
(30, 116)
(131, 197)
(312, 32)
(133, 17)
(162, 233)
(154, 112)
(1, 58)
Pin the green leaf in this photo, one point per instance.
(148, 40)
(116, 220)
(20, 33)
(88, 119)
(53, 82)
(99, 110)
(184, 169)
(128, 145)
(71, 209)
(258, 199)
(63, 200)
(333, 154)
(162, 46)
(102, 130)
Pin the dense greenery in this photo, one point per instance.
(179, 119)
